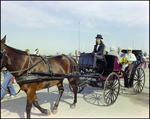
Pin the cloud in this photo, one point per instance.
(29, 15)
(38, 14)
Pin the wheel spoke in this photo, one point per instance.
(141, 76)
(135, 83)
(107, 92)
(141, 83)
(116, 95)
(113, 97)
(116, 84)
(108, 98)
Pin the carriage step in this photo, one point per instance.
(83, 83)
(96, 84)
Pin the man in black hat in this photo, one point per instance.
(98, 49)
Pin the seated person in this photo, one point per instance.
(7, 84)
(130, 57)
(98, 49)
(121, 54)
(113, 52)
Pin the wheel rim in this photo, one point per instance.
(139, 80)
(111, 88)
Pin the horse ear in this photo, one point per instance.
(3, 40)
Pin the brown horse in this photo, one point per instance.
(15, 60)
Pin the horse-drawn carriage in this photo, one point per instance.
(108, 73)
(34, 73)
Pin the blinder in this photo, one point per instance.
(3, 55)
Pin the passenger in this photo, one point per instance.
(113, 52)
(98, 49)
(28, 51)
(130, 57)
(121, 54)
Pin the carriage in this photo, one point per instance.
(108, 73)
(34, 73)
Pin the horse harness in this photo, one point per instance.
(23, 79)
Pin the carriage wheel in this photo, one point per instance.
(79, 89)
(111, 88)
(139, 80)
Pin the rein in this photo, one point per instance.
(27, 69)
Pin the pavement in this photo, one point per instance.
(90, 103)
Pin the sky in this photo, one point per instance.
(66, 26)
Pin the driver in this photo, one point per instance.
(98, 49)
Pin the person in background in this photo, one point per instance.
(27, 50)
(76, 54)
(113, 52)
(146, 60)
(37, 52)
(7, 84)
(79, 53)
(145, 56)
(121, 54)
(98, 49)
(58, 53)
(70, 54)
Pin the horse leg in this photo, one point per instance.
(28, 108)
(73, 84)
(61, 90)
(30, 98)
(35, 103)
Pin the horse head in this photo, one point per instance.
(3, 53)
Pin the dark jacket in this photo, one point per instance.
(100, 49)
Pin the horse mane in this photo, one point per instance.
(17, 50)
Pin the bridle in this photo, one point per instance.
(3, 55)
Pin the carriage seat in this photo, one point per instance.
(112, 64)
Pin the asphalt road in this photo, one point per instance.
(90, 103)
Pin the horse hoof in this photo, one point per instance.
(73, 106)
(54, 111)
(48, 112)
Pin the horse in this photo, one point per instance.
(15, 60)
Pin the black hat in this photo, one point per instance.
(99, 36)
